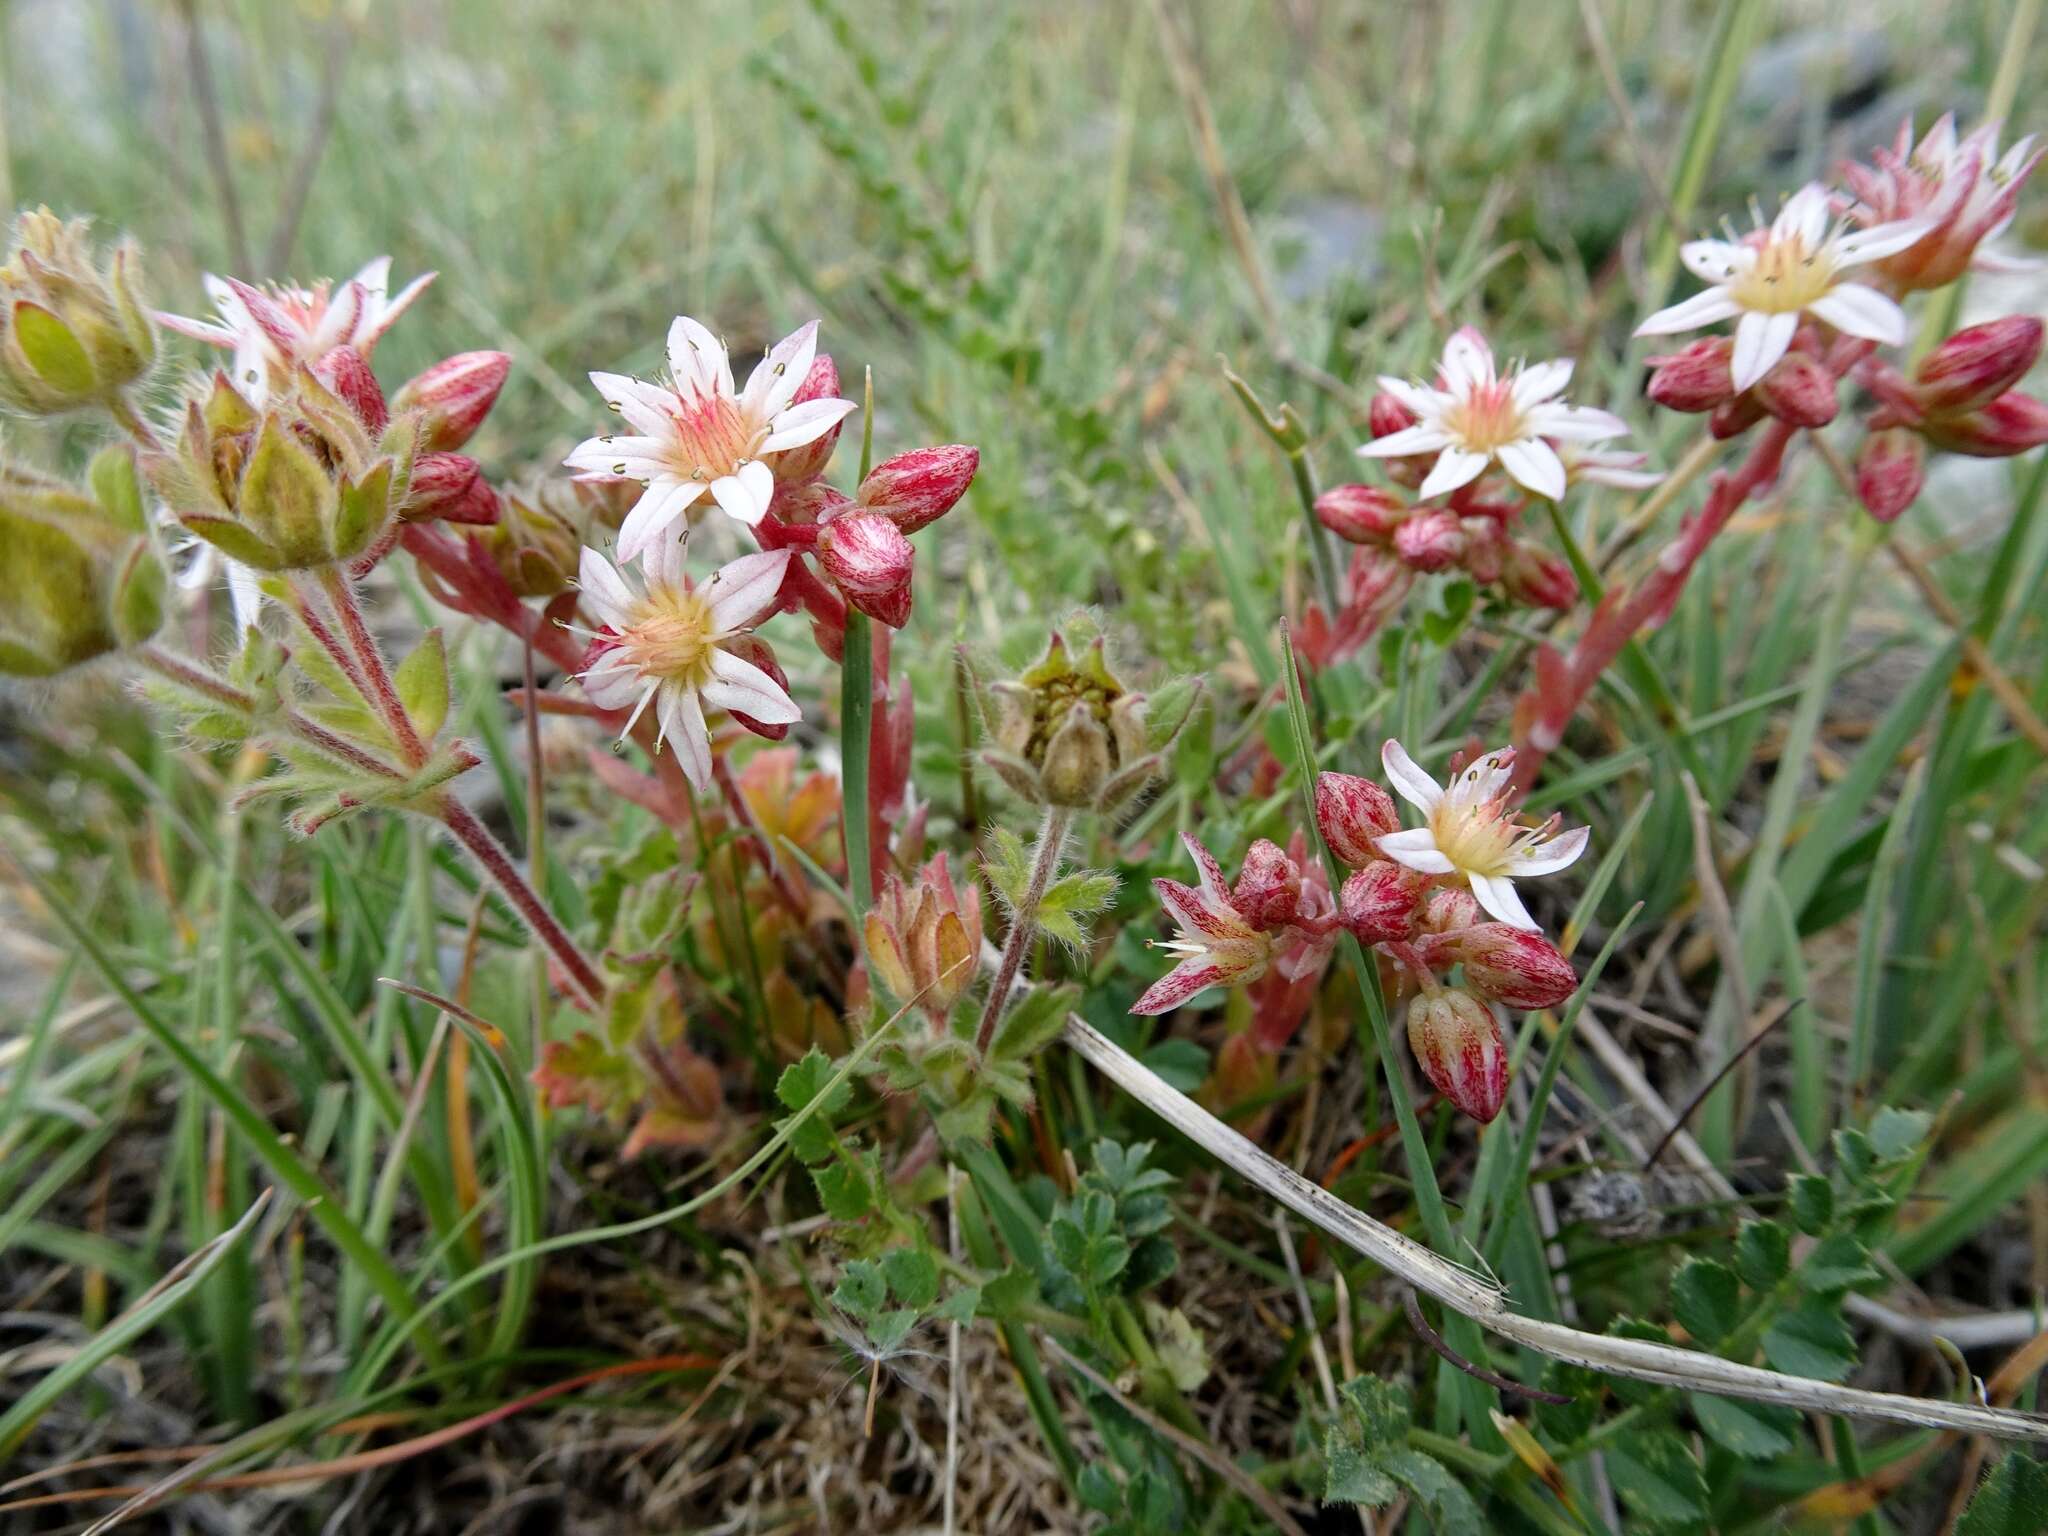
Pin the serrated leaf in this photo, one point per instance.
(800, 1083)
(1707, 1299)
(1453, 1510)
(1072, 899)
(889, 1329)
(1032, 1024)
(1098, 1490)
(1812, 1199)
(913, 1277)
(422, 682)
(1378, 1411)
(1811, 1340)
(1839, 1263)
(1351, 1476)
(1854, 1154)
(843, 1190)
(1656, 1476)
(1008, 866)
(1763, 1254)
(961, 1306)
(1754, 1431)
(2012, 1501)
(862, 1289)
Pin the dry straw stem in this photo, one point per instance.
(1486, 1303)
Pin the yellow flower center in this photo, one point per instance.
(1487, 418)
(1478, 839)
(672, 637)
(713, 438)
(1785, 278)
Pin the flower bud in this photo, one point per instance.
(1449, 907)
(534, 545)
(1077, 760)
(1268, 887)
(2013, 423)
(1538, 578)
(1976, 365)
(1695, 379)
(81, 576)
(1458, 1043)
(1354, 814)
(344, 371)
(453, 397)
(1074, 735)
(1379, 902)
(798, 466)
(72, 333)
(1431, 541)
(1890, 468)
(869, 560)
(923, 943)
(1732, 418)
(297, 485)
(449, 487)
(1799, 392)
(1505, 964)
(1360, 514)
(920, 487)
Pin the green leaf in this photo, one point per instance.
(801, 1082)
(1008, 1293)
(1071, 899)
(1813, 1203)
(1755, 1431)
(913, 1277)
(1811, 1340)
(1350, 1476)
(1839, 1263)
(1453, 1511)
(1897, 1133)
(889, 1329)
(1707, 1299)
(843, 1189)
(1008, 866)
(1033, 1023)
(1763, 1254)
(2012, 1501)
(57, 355)
(1378, 1412)
(1182, 1349)
(961, 1306)
(862, 1289)
(422, 681)
(1656, 1476)
(1180, 1064)
(1854, 1154)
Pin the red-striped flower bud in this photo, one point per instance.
(1732, 418)
(1268, 887)
(1360, 514)
(1539, 578)
(1976, 365)
(1505, 964)
(1388, 416)
(1799, 392)
(1354, 814)
(344, 371)
(869, 560)
(1694, 379)
(1380, 902)
(2013, 423)
(1432, 541)
(1458, 1043)
(454, 396)
(795, 466)
(449, 487)
(1449, 907)
(1889, 471)
(921, 486)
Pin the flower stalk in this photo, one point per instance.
(1045, 859)
(491, 857)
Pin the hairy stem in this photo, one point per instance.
(196, 679)
(133, 422)
(380, 690)
(497, 863)
(1052, 838)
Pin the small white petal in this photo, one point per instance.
(655, 513)
(1454, 467)
(1884, 240)
(1423, 401)
(1497, 895)
(781, 373)
(740, 685)
(1711, 261)
(1559, 852)
(608, 593)
(1703, 308)
(1409, 440)
(806, 423)
(1410, 782)
(1542, 382)
(691, 741)
(1855, 310)
(1575, 423)
(613, 681)
(1536, 465)
(1467, 360)
(698, 358)
(1416, 850)
(1761, 341)
(736, 498)
(739, 591)
(1804, 216)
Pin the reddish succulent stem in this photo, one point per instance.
(308, 609)
(381, 691)
(497, 863)
(462, 585)
(1562, 684)
(200, 681)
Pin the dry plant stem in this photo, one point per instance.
(1052, 837)
(200, 681)
(1486, 1303)
(497, 863)
(382, 692)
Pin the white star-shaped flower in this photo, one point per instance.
(1792, 266)
(1475, 417)
(1472, 833)
(665, 641)
(695, 434)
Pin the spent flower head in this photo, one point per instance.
(73, 332)
(694, 434)
(676, 644)
(1475, 416)
(1959, 190)
(1795, 265)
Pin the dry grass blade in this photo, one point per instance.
(1487, 1305)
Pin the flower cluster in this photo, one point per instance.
(1473, 453)
(1431, 901)
(1816, 290)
